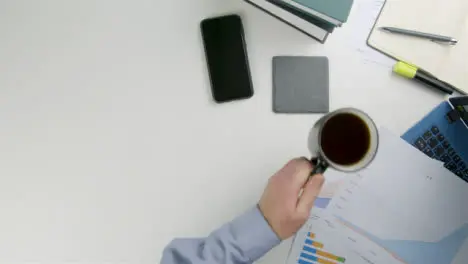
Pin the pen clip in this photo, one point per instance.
(450, 42)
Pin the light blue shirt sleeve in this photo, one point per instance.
(242, 241)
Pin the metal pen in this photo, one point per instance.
(433, 37)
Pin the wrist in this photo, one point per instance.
(268, 220)
(254, 234)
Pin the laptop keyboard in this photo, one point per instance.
(434, 145)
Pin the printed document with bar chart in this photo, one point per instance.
(317, 243)
(403, 209)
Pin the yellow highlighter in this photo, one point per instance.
(410, 71)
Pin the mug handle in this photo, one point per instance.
(320, 166)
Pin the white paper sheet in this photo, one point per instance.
(362, 19)
(403, 208)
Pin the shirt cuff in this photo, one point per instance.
(253, 234)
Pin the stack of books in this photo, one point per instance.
(315, 18)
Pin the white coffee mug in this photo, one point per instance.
(323, 160)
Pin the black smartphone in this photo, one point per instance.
(226, 56)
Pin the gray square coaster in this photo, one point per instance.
(300, 84)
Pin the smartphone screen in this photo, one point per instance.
(226, 56)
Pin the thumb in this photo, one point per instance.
(310, 192)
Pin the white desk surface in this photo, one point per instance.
(110, 144)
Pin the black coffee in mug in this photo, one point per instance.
(345, 139)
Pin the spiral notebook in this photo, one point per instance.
(448, 18)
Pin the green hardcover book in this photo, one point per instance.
(337, 9)
(306, 16)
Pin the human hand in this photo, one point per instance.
(283, 205)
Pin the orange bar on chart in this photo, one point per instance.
(314, 243)
(317, 244)
(321, 253)
(329, 256)
(311, 235)
(314, 259)
(324, 261)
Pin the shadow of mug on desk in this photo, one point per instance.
(346, 139)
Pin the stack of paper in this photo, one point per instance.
(404, 208)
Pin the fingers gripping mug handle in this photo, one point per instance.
(320, 166)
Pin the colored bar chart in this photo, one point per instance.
(314, 252)
(323, 254)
